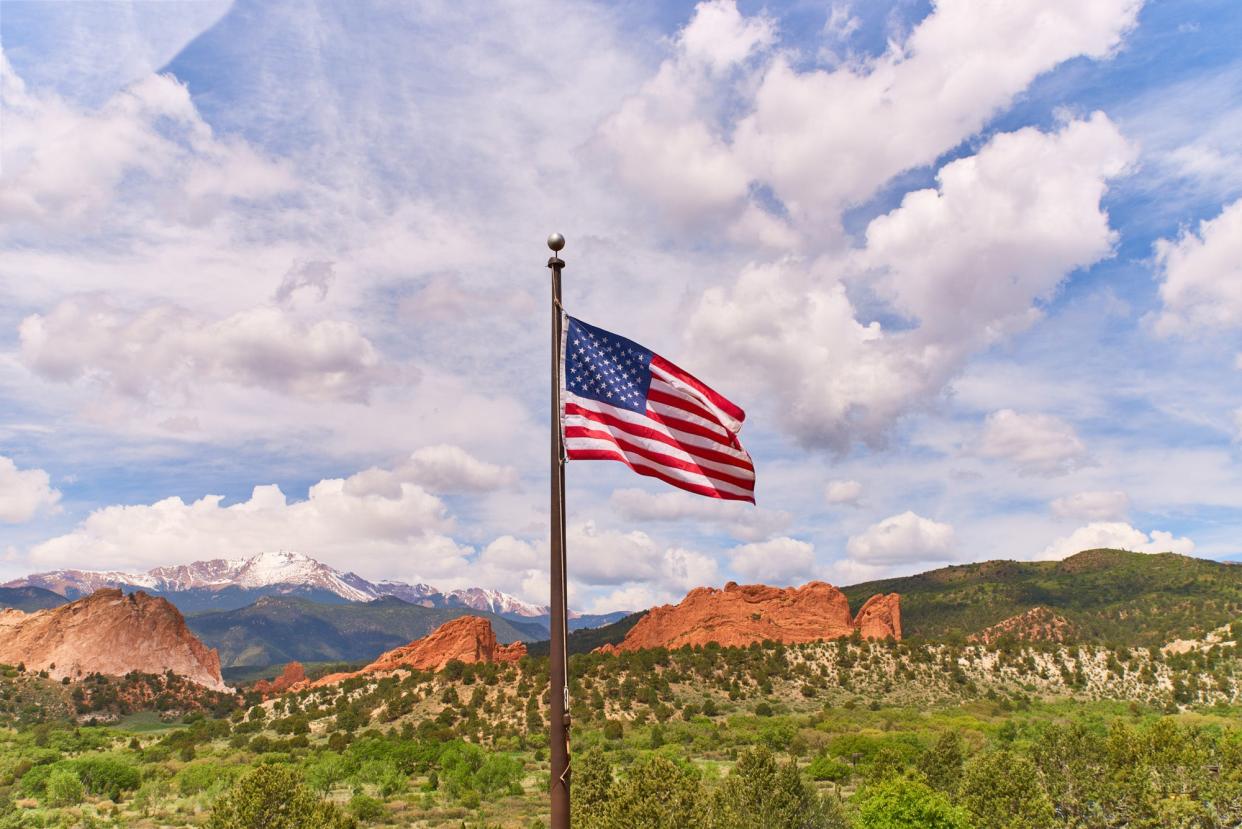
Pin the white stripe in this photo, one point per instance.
(639, 460)
(681, 437)
(730, 423)
(660, 447)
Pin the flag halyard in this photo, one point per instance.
(623, 402)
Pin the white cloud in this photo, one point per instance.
(1106, 505)
(825, 140)
(445, 468)
(1202, 286)
(842, 492)
(169, 351)
(365, 531)
(1036, 444)
(1115, 535)
(778, 561)
(24, 492)
(967, 261)
(903, 539)
(66, 166)
(743, 521)
(719, 36)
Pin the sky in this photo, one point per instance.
(273, 277)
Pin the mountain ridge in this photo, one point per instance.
(226, 584)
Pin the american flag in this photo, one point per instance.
(623, 402)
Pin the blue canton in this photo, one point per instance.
(605, 367)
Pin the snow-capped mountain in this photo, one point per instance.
(279, 572)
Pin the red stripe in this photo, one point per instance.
(664, 460)
(655, 434)
(607, 455)
(702, 388)
(724, 436)
(688, 406)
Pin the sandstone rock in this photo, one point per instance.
(741, 614)
(468, 639)
(293, 674)
(108, 633)
(1039, 624)
(880, 617)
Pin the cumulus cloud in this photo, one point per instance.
(66, 165)
(966, 262)
(1036, 444)
(366, 531)
(1115, 535)
(24, 492)
(445, 468)
(778, 561)
(1092, 506)
(743, 521)
(604, 557)
(1202, 276)
(842, 492)
(902, 539)
(169, 350)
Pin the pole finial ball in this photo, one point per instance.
(556, 241)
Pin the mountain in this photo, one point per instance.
(280, 629)
(740, 615)
(1135, 599)
(30, 598)
(110, 633)
(228, 584)
(468, 639)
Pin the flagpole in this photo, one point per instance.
(557, 656)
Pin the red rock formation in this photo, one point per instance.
(880, 617)
(467, 639)
(108, 633)
(1039, 624)
(742, 614)
(293, 674)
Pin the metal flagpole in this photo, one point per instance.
(557, 656)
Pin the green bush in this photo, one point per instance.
(366, 808)
(64, 789)
(274, 797)
(899, 803)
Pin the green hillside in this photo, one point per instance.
(588, 639)
(1108, 595)
(30, 599)
(279, 629)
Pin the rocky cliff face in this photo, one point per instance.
(293, 674)
(742, 614)
(468, 639)
(108, 633)
(880, 617)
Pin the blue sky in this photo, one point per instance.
(273, 278)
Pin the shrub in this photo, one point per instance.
(274, 797)
(64, 789)
(761, 792)
(366, 808)
(899, 803)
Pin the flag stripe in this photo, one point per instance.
(653, 429)
(604, 450)
(659, 451)
(661, 366)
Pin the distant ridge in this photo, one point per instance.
(227, 584)
(1103, 595)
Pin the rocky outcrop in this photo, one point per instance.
(1039, 624)
(108, 633)
(741, 614)
(293, 674)
(880, 617)
(468, 639)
